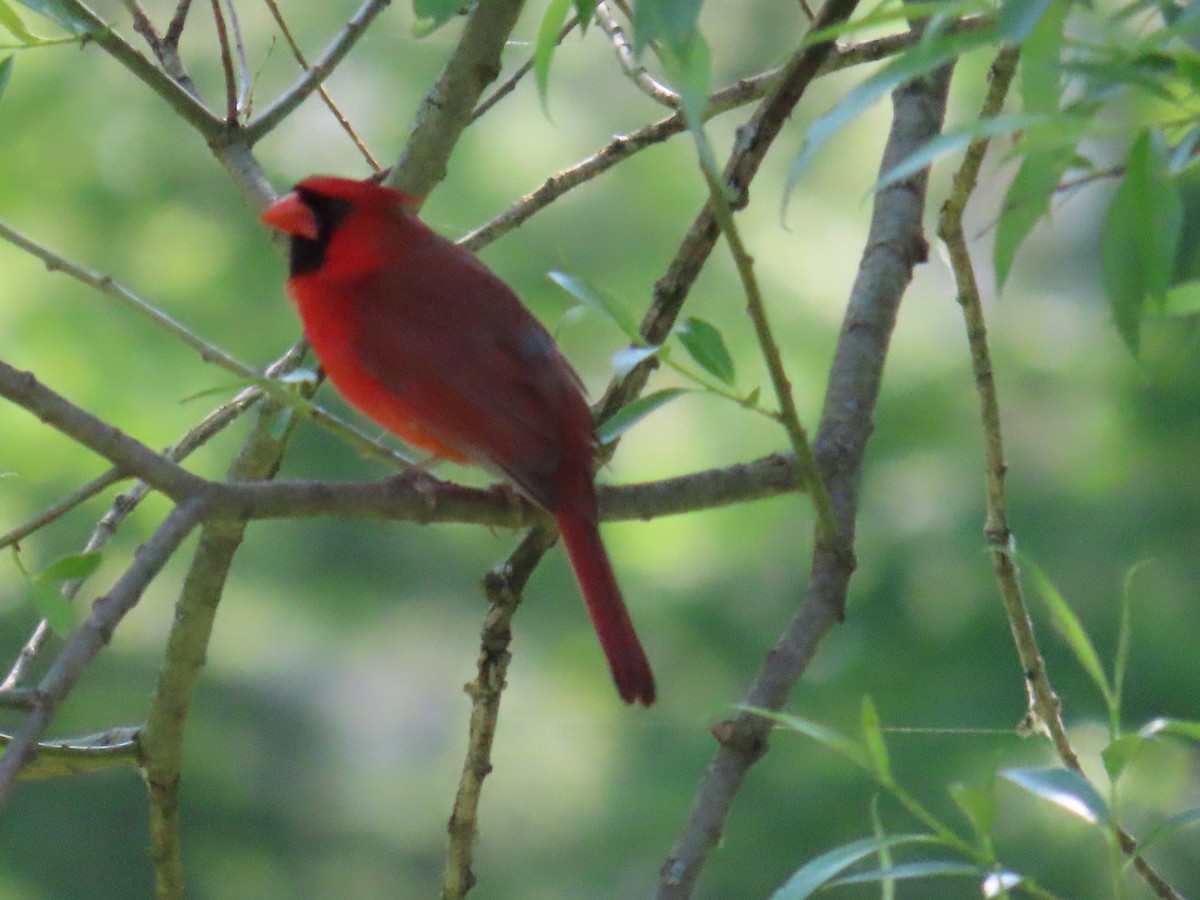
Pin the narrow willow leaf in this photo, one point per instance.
(822, 734)
(908, 871)
(706, 346)
(1072, 630)
(876, 746)
(1027, 201)
(666, 21)
(978, 805)
(585, 10)
(12, 23)
(544, 46)
(1141, 233)
(632, 413)
(1065, 788)
(818, 872)
(920, 60)
(1018, 18)
(588, 295)
(6, 65)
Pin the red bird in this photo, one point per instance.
(419, 335)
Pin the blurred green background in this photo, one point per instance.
(328, 730)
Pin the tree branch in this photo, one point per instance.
(446, 110)
(894, 246)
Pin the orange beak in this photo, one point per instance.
(291, 215)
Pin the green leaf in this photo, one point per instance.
(706, 346)
(6, 65)
(632, 413)
(589, 296)
(920, 60)
(70, 567)
(544, 46)
(1027, 200)
(12, 23)
(688, 65)
(1178, 727)
(1121, 659)
(877, 751)
(585, 10)
(624, 361)
(908, 871)
(1141, 234)
(1072, 630)
(1041, 74)
(1183, 300)
(1120, 753)
(57, 12)
(978, 805)
(433, 14)
(817, 872)
(666, 21)
(1018, 18)
(952, 141)
(1064, 788)
(52, 606)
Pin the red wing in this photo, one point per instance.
(479, 372)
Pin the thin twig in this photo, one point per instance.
(321, 91)
(636, 72)
(243, 70)
(1045, 707)
(510, 83)
(262, 124)
(91, 636)
(56, 511)
(165, 48)
(175, 28)
(231, 91)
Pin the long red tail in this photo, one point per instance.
(610, 618)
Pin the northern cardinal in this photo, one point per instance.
(419, 335)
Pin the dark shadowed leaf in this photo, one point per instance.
(706, 346)
(6, 65)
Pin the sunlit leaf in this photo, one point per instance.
(706, 346)
(1183, 299)
(818, 872)
(1178, 727)
(632, 413)
(13, 24)
(1064, 788)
